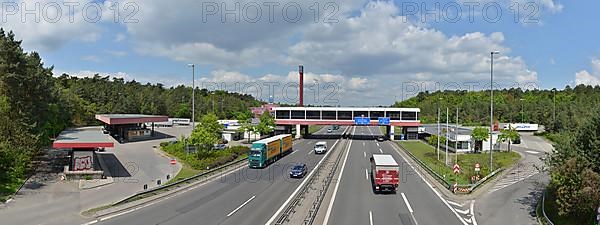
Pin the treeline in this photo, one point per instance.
(35, 106)
(570, 105)
(97, 95)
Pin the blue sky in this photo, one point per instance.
(371, 52)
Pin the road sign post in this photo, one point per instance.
(456, 171)
(477, 168)
(598, 216)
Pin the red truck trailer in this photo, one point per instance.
(385, 173)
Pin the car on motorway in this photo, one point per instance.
(298, 171)
(320, 147)
(380, 138)
(329, 130)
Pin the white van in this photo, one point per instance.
(320, 147)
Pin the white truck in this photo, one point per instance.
(522, 126)
(320, 147)
(385, 173)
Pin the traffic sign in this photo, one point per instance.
(456, 168)
(362, 120)
(477, 167)
(173, 161)
(383, 121)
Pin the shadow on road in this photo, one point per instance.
(113, 165)
(529, 202)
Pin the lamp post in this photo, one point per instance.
(447, 134)
(492, 106)
(554, 109)
(193, 95)
(437, 150)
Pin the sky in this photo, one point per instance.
(354, 52)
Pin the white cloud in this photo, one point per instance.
(120, 37)
(589, 78)
(91, 58)
(116, 53)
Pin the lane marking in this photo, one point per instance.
(465, 212)
(377, 144)
(406, 202)
(371, 217)
(473, 212)
(409, 208)
(454, 203)
(430, 186)
(337, 185)
(301, 185)
(239, 207)
(365, 154)
(363, 144)
(91, 222)
(381, 151)
(532, 152)
(366, 174)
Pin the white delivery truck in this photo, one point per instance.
(320, 147)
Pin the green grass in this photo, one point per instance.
(397, 130)
(7, 188)
(427, 154)
(185, 172)
(313, 129)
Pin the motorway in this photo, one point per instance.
(246, 196)
(355, 203)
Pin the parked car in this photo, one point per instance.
(298, 171)
(219, 146)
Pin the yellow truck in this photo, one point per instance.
(269, 150)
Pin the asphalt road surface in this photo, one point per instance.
(247, 196)
(355, 203)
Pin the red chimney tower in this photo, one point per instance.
(301, 70)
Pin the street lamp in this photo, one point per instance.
(492, 106)
(193, 95)
(438, 130)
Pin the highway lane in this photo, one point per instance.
(247, 196)
(355, 202)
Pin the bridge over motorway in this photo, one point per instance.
(302, 117)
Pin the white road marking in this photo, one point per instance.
(300, 186)
(365, 154)
(532, 152)
(454, 203)
(371, 217)
(465, 212)
(473, 212)
(337, 185)
(381, 151)
(431, 187)
(363, 144)
(91, 222)
(239, 207)
(406, 202)
(366, 174)
(377, 144)
(309, 152)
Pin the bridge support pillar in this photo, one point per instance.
(298, 131)
(391, 132)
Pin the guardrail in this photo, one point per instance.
(153, 191)
(468, 188)
(438, 177)
(545, 217)
(290, 208)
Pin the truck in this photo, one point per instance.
(266, 151)
(384, 173)
(522, 126)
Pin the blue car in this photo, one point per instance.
(298, 171)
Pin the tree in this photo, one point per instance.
(202, 137)
(267, 123)
(480, 134)
(509, 135)
(211, 123)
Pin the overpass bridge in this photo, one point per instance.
(302, 117)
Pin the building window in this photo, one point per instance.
(376, 114)
(393, 115)
(329, 115)
(361, 114)
(313, 115)
(409, 116)
(298, 114)
(345, 115)
(284, 114)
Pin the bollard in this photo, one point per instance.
(145, 187)
(168, 176)
(158, 182)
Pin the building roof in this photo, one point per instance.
(86, 137)
(349, 109)
(384, 160)
(112, 119)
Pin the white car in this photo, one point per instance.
(320, 147)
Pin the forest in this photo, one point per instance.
(36, 105)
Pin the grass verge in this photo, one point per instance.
(427, 154)
(313, 129)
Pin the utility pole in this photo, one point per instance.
(193, 95)
(492, 107)
(554, 109)
(437, 150)
(447, 136)
(456, 139)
